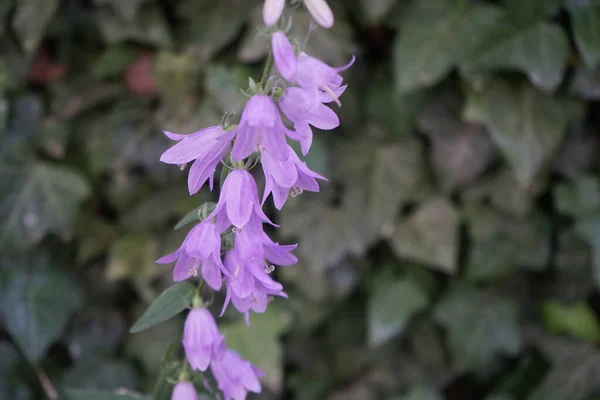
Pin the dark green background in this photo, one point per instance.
(454, 253)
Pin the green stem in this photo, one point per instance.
(267, 70)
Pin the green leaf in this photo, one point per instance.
(435, 37)
(579, 198)
(150, 26)
(92, 372)
(480, 326)
(170, 303)
(390, 308)
(527, 125)
(577, 320)
(586, 29)
(586, 83)
(132, 256)
(460, 151)
(36, 307)
(114, 61)
(127, 9)
(37, 199)
(575, 370)
(260, 344)
(538, 49)
(429, 235)
(122, 394)
(163, 388)
(190, 217)
(30, 21)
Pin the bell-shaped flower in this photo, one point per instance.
(201, 247)
(281, 177)
(320, 11)
(278, 254)
(207, 147)
(303, 109)
(235, 376)
(249, 285)
(184, 390)
(238, 201)
(283, 56)
(260, 128)
(272, 11)
(202, 341)
(313, 74)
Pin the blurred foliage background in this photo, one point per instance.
(454, 254)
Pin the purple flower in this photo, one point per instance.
(281, 176)
(260, 128)
(305, 109)
(236, 376)
(313, 74)
(202, 245)
(202, 341)
(320, 11)
(272, 11)
(238, 200)
(207, 146)
(283, 56)
(278, 254)
(249, 287)
(184, 391)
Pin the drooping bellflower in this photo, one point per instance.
(202, 341)
(207, 147)
(283, 176)
(201, 247)
(235, 376)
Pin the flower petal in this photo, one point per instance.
(284, 56)
(320, 11)
(272, 11)
(246, 142)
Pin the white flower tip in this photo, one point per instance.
(320, 11)
(272, 11)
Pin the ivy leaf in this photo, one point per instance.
(429, 235)
(586, 28)
(579, 198)
(575, 370)
(577, 320)
(480, 327)
(170, 303)
(132, 256)
(30, 21)
(435, 37)
(527, 125)
(390, 308)
(79, 394)
(37, 199)
(538, 49)
(461, 151)
(36, 307)
(260, 344)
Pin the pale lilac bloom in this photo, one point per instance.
(313, 74)
(261, 129)
(248, 240)
(184, 391)
(283, 55)
(278, 254)
(283, 176)
(303, 109)
(249, 286)
(201, 246)
(235, 376)
(207, 147)
(272, 11)
(202, 341)
(238, 201)
(320, 11)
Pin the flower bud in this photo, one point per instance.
(272, 11)
(320, 11)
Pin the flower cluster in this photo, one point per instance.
(229, 246)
